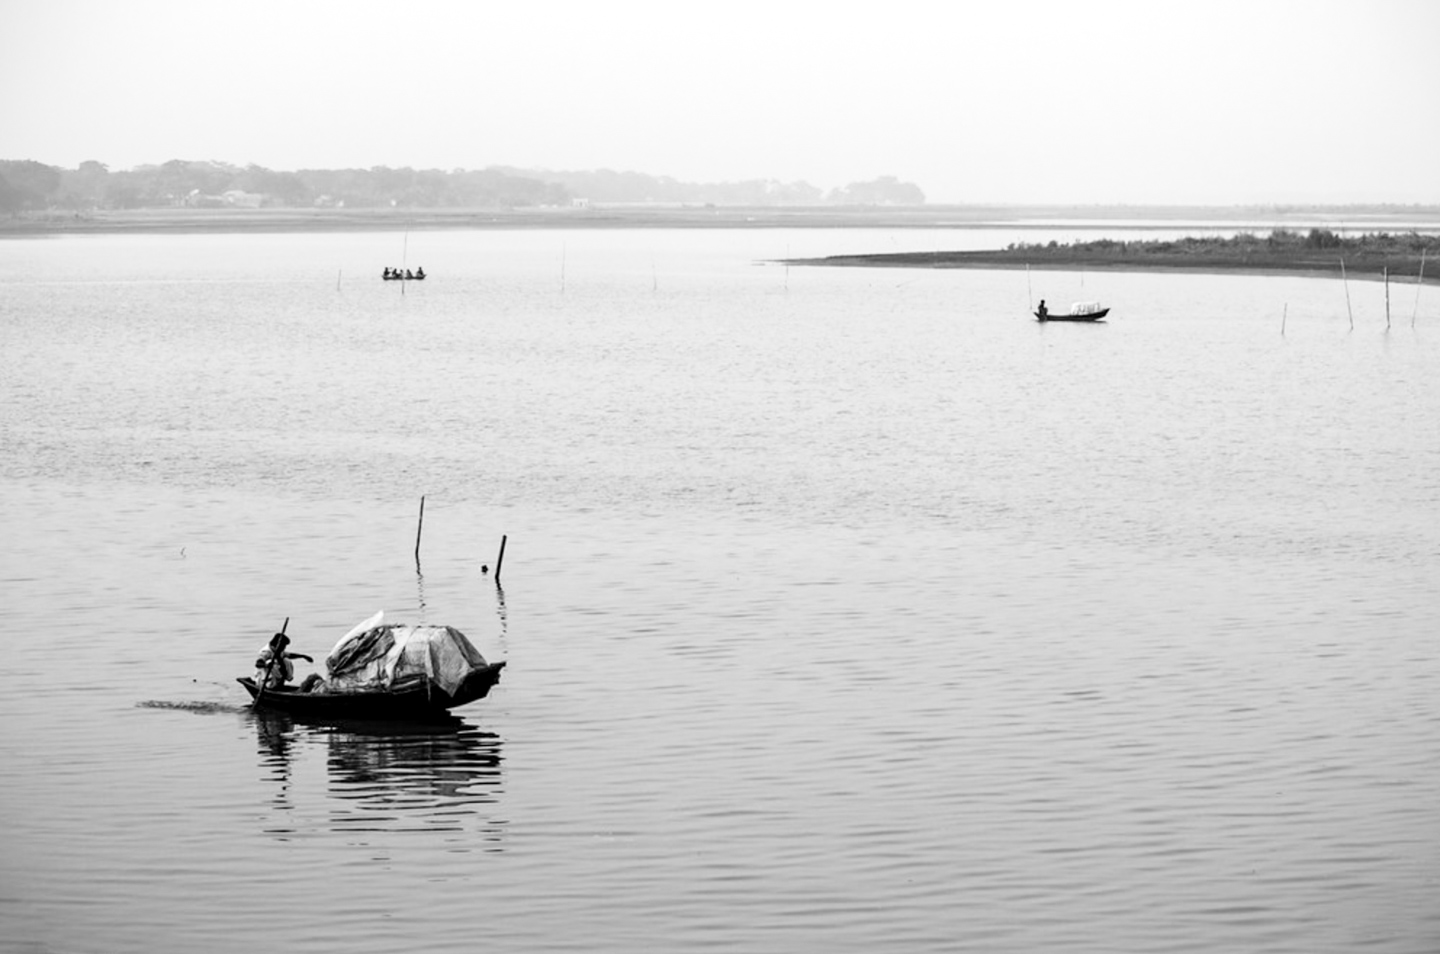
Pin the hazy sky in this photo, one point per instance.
(1211, 102)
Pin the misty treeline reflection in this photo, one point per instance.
(29, 186)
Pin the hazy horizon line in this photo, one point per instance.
(1268, 204)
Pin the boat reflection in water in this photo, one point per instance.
(438, 775)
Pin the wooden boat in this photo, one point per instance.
(394, 275)
(378, 670)
(414, 697)
(1080, 311)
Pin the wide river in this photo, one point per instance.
(845, 610)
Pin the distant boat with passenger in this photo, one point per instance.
(403, 275)
(1079, 311)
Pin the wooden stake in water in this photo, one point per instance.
(1418, 279)
(1387, 297)
(1283, 315)
(419, 528)
(1346, 282)
(500, 560)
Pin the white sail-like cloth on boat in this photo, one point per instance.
(1084, 307)
(376, 654)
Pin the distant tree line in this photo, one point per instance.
(33, 186)
(1320, 252)
(27, 186)
(1279, 241)
(607, 186)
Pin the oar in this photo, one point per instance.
(260, 689)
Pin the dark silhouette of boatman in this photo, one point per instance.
(1042, 311)
(273, 667)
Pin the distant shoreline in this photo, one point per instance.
(1369, 257)
(1021, 218)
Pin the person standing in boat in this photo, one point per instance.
(1042, 311)
(273, 667)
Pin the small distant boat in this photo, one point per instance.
(1079, 311)
(403, 275)
(382, 671)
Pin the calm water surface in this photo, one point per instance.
(845, 610)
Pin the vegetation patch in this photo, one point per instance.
(1320, 251)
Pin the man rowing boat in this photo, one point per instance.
(273, 667)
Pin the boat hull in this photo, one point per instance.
(416, 699)
(1088, 316)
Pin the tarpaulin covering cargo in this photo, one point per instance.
(376, 655)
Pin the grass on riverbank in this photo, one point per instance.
(1319, 252)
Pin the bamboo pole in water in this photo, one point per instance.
(500, 560)
(1418, 279)
(419, 528)
(1283, 315)
(1346, 282)
(1387, 297)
